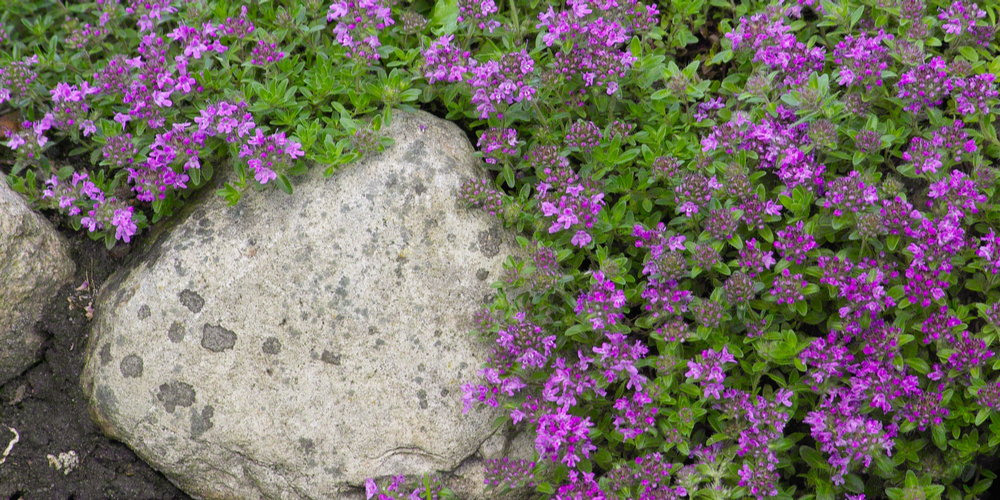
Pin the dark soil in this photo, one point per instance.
(47, 408)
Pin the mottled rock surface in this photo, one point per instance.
(292, 346)
(34, 263)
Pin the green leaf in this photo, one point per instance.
(661, 94)
(940, 440)
(284, 184)
(919, 365)
(814, 458)
(969, 53)
(801, 307)
(982, 416)
(445, 16)
(508, 175)
(892, 241)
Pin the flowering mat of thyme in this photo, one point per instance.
(762, 235)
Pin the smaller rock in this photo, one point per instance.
(34, 263)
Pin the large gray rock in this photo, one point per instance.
(34, 263)
(292, 346)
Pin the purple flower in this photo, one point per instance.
(771, 42)
(526, 342)
(976, 93)
(122, 221)
(512, 474)
(265, 54)
(959, 193)
(710, 370)
(592, 38)
(268, 154)
(925, 86)
(498, 144)
(959, 17)
(794, 243)
(617, 357)
(989, 251)
(753, 259)
(370, 488)
(562, 437)
(572, 202)
(849, 193)
(862, 59)
(851, 439)
(502, 82)
(444, 62)
(363, 19)
(581, 239)
(480, 10)
(787, 288)
(634, 417)
(584, 135)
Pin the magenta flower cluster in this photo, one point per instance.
(84, 201)
(444, 62)
(502, 82)
(358, 24)
(498, 145)
(773, 44)
(602, 304)
(591, 30)
(572, 203)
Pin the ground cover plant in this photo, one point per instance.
(763, 237)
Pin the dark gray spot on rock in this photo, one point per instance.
(304, 254)
(176, 394)
(393, 180)
(419, 188)
(421, 367)
(422, 395)
(200, 424)
(489, 241)
(444, 393)
(342, 289)
(482, 274)
(330, 358)
(176, 332)
(463, 365)
(192, 300)
(451, 238)
(215, 338)
(107, 402)
(179, 267)
(416, 154)
(106, 355)
(271, 346)
(379, 342)
(307, 446)
(419, 380)
(205, 222)
(144, 312)
(131, 366)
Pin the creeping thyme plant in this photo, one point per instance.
(762, 237)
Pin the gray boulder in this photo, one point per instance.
(34, 263)
(290, 347)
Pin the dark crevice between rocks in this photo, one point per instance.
(47, 407)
